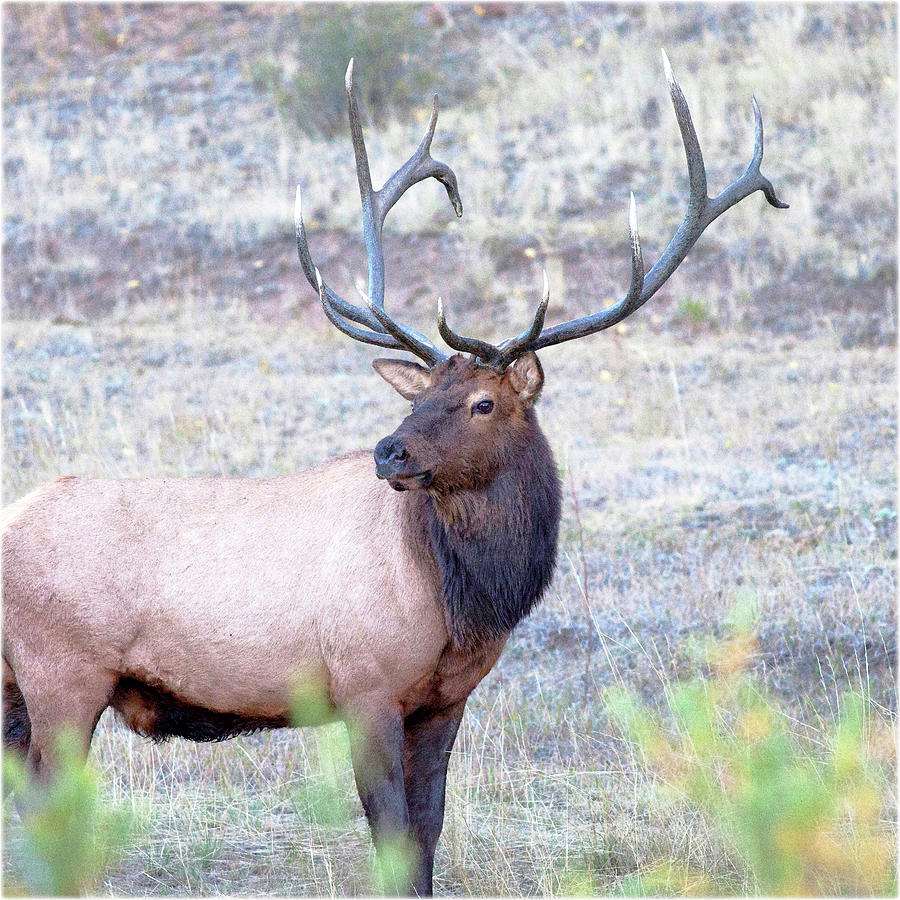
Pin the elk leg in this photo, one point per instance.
(376, 748)
(74, 702)
(429, 740)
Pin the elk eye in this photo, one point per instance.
(483, 407)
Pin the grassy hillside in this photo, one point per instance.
(736, 442)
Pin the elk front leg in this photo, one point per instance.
(376, 748)
(429, 740)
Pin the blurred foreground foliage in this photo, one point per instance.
(323, 795)
(801, 822)
(71, 834)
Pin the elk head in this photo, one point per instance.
(468, 412)
(466, 421)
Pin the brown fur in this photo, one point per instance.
(465, 451)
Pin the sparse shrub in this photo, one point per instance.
(392, 866)
(801, 823)
(71, 834)
(387, 42)
(693, 312)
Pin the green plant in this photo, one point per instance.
(391, 867)
(801, 823)
(693, 312)
(386, 40)
(70, 832)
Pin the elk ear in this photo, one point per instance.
(407, 378)
(526, 378)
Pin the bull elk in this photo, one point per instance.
(195, 607)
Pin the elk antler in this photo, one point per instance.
(701, 211)
(378, 327)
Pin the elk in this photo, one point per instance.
(195, 607)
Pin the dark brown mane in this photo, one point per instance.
(495, 547)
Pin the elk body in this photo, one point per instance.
(199, 607)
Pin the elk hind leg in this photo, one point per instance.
(16, 722)
(429, 738)
(59, 702)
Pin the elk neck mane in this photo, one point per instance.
(495, 546)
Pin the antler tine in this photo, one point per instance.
(371, 232)
(483, 351)
(373, 220)
(379, 328)
(418, 167)
(337, 310)
(701, 212)
(393, 340)
(412, 340)
(600, 320)
(634, 298)
(503, 354)
(696, 169)
(360, 334)
(377, 204)
(751, 174)
(516, 346)
(341, 306)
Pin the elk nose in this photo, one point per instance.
(390, 454)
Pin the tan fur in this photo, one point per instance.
(226, 592)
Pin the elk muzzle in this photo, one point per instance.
(392, 463)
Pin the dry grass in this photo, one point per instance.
(745, 449)
(773, 473)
